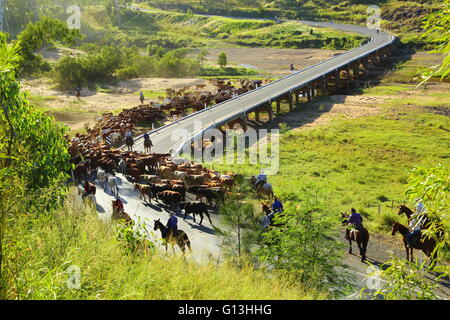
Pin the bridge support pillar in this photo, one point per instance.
(291, 105)
(297, 98)
(278, 106)
(270, 111)
(308, 94)
(257, 115)
(324, 86)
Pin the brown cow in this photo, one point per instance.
(145, 190)
(172, 198)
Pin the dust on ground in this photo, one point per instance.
(66, 108)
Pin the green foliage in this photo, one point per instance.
(36, 35)
(284, 127)
(211, 71)
(438, 23)
(408, 280)
(103, 64)
(134, 238)
(222, 60)
(241, 227)
(32, 137)
(305, 246)
(405, 280)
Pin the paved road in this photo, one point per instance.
(204, 243)
(173, 136)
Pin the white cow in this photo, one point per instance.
(112, 183)
(101, 176)
(115, 136)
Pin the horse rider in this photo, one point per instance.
(267, 220)
(172, 224)
(262, 178)
(420, 208)
(87, 188)
(414, 230)
(355, 220)
(141, 97)
(277, 206)
(128, 136)
(148, 144)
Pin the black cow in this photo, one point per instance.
(194, 208)
(210, 195)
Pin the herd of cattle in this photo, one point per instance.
(155, 176)
(177, 104)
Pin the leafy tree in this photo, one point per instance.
(305, 246)
(36, 35)
(222, 60)
(408, 280)
(438, 24)
(33, 156)
(202, 56)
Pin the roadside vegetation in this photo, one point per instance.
(45, 230)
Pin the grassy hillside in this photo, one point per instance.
(401, 17)
(170, 29)
(40, 248)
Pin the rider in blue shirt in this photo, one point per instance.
(172, 224)
(277, 206)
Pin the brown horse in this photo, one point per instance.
(360, 236)
(427, 245)
(427, 222)
(178, 237)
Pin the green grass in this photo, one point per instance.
(401, 17)
(200, 31)
(212, 71)
(74, 236)
(359, 163)
(364, 162)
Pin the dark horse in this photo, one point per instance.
(427, 222)
(425, 244)
(178, 237)
(360, 236)
(129, 142)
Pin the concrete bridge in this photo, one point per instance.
(340, 72)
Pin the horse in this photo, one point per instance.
(360, 236)
(129, 142)
(265, 189)
(427, 222)
(179, 237)
(262, 188)
(426, 244)
(148, 146)
(112, 183)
